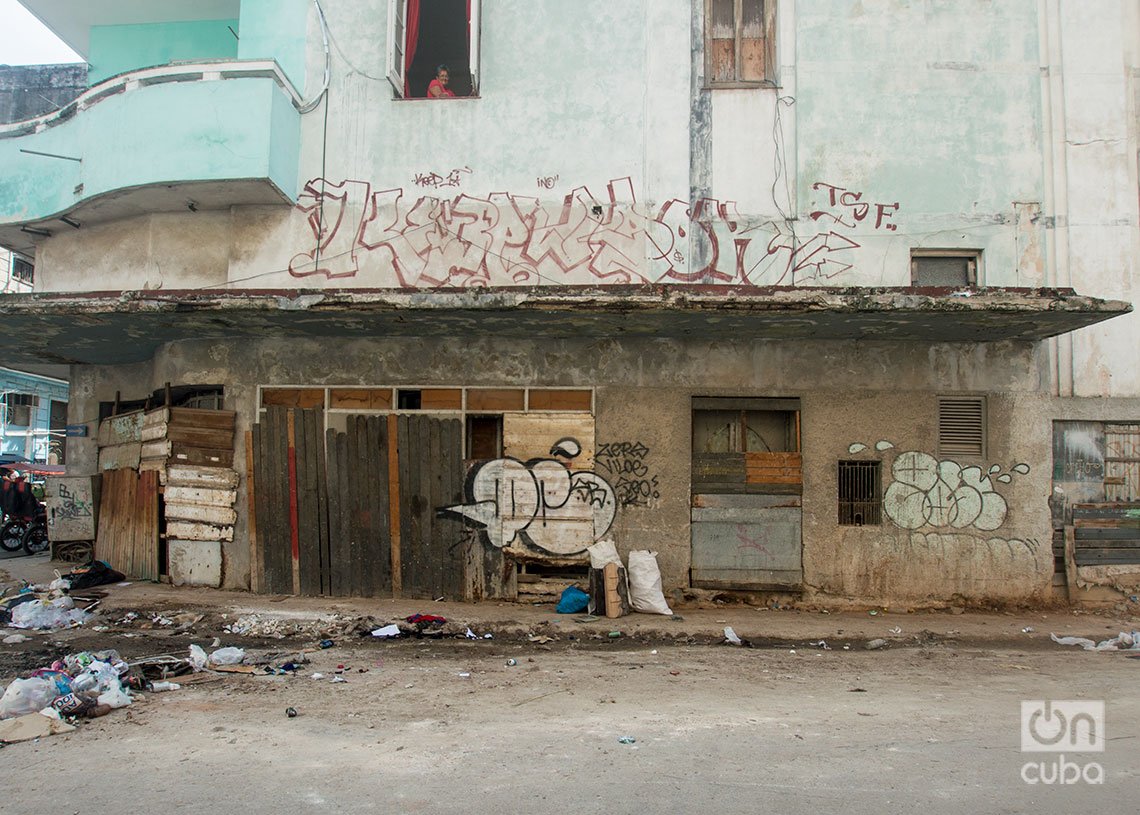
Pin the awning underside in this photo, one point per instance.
(124, 327)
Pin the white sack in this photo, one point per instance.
(603, 552)
(645, 584)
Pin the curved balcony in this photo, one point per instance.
(206, 135)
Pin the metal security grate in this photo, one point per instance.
(962, 426)
(860, 493)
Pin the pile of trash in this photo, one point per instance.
(280, 627)
(79, 686)
(1121, 642)
(51, 606)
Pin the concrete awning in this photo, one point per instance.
(123, 327)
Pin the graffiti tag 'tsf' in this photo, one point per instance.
(539, 503)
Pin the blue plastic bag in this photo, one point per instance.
(573, 601)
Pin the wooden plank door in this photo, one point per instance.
(291, 542)
(432, 553)
(128, 523)
(359, 533)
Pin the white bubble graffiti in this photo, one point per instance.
(929, 492)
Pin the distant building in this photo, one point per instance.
(33, 417)
(823, 299)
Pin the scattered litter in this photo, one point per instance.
(338, 679)
(291, 712)
(318, 676)
(198, 658)
(387, 631)
(731, 638)
(821, 644)
(873, 612)
(613, 635)
(1121, 642)
(463, 675)
(677, 618)
(857, 690)
(572, 601)
(471, 635)
(587, 618)
(488, 636)
(227, 656)
(627, 740)
(875, 645)
(327, 643)
(897, 630)
(541, 639)
(15, 638)
(31, 726)
(653, 652)
(161, 687)
(1027, 630)
(512, 663)
(422, 621)
(674, 673)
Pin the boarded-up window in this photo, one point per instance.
(293, 397)
(860, 493)
(746, 446)
(738, 44)
(495, 399)
(560, 400)
(962, 426)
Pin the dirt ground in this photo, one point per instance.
(449, 725)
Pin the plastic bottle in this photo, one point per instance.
(159, 687)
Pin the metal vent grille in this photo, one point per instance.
(962, 426)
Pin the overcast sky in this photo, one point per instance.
(25, 41)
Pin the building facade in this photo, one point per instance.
(827, 299)
(33, 417)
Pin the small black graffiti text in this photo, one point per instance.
(627, 464)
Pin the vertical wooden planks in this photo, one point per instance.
(336, 543)
(277, 547)
(145, 527)
(128, 523)
(322, 503)
(293, 500)
(393, 486)
(308, 518)
(380, 552)
(251, 496)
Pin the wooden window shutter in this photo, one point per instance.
(962, 426)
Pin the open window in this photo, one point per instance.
(425, 34)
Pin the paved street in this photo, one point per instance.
(930, 723)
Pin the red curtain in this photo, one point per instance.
(412, 38)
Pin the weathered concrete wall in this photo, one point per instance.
(28, 91)
(643, 398)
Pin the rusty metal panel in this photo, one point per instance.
(750, 542)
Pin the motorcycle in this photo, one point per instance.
(30, 534)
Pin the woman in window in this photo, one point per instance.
(438, 89)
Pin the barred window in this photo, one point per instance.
(860, 493)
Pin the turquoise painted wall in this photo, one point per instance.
(948, 118)
(118, 48)
(190, 131)
(276, 29)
